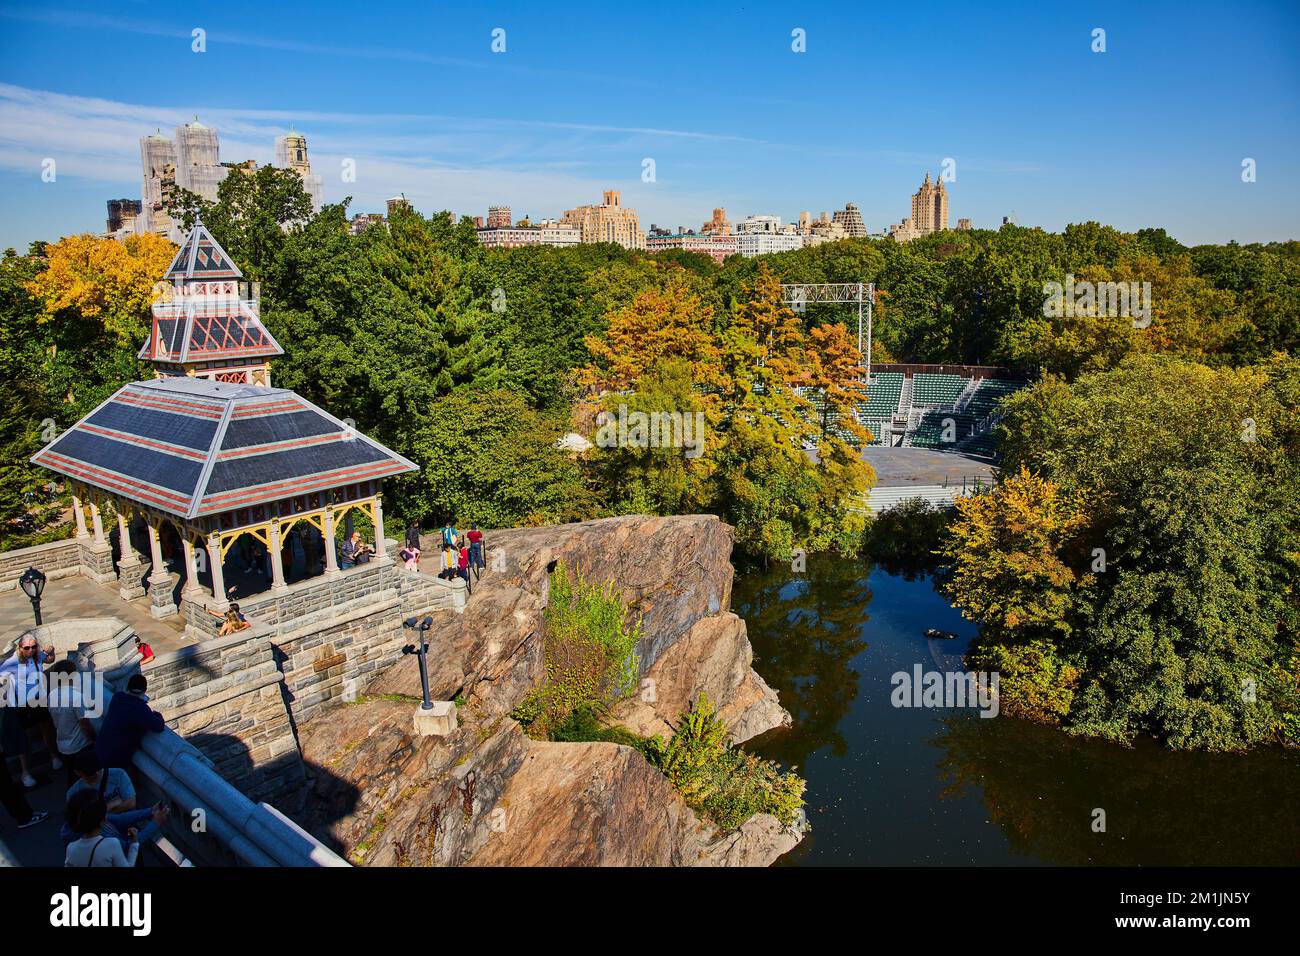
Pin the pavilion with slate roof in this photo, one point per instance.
(208, 452)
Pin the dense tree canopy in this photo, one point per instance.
(1134, 572)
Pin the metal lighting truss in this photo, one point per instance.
(798, 294)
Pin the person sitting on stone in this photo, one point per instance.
(448, 569)
(144, 650)
(355, 551)
(113, 786)
(86, 816)
(232, 622)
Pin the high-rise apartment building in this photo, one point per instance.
(192, 161)
(399, 202)
(499, 217)
(548, 233)
(291, 153)
(930, 207)
(715, 245)
(611, 221)
(929, 212)
(198, 160)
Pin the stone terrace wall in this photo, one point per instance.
(55, 560)
(225, 698)
(240, 698)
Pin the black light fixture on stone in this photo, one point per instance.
(33, 583)
(422, 628)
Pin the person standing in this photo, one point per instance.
(28, 682)
(15, 801)
(462, 566)
(476, 558)
(74, 733)
(128, 719)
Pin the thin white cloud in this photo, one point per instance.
(439, 162)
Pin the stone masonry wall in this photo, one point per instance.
(56, 559)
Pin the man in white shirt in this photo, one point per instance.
(73, 730)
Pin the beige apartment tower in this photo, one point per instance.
(611, 221)
(930, 207)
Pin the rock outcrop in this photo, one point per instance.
(487, 795)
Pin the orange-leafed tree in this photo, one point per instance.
(660, 324)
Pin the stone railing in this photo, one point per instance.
(218, 824)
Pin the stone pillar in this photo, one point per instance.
(331, 559)
(191, 569)
(128, 563)
(160, 581)
(219, 600)
(380, 550)
(277, 559)
(96, 554)
(80, 515)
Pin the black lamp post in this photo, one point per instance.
(421, 627)
(33, 583)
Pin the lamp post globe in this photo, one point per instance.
(33, 583)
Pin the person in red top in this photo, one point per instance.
(462, 566)
(476, 550)
(146, 652)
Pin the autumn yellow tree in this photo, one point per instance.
(103, 281)
(1012, 557)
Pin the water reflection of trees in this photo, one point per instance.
(806, 630)
(1163, 808)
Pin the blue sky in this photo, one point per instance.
(1151, 132)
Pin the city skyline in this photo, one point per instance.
(1175, 106)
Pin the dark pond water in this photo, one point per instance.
(913, 786)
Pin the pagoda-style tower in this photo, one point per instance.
(206, 321)
(208, 452)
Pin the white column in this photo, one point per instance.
(128, 563)
(277, 560)
(128, 555)
(155, 550)
(331, 559)
(97, 522)
(380, 551)
(219, 601)
(191, 566)
(80, 515)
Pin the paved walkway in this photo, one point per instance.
(77, 596)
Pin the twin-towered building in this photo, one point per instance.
(929, 212)
(192, 161)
